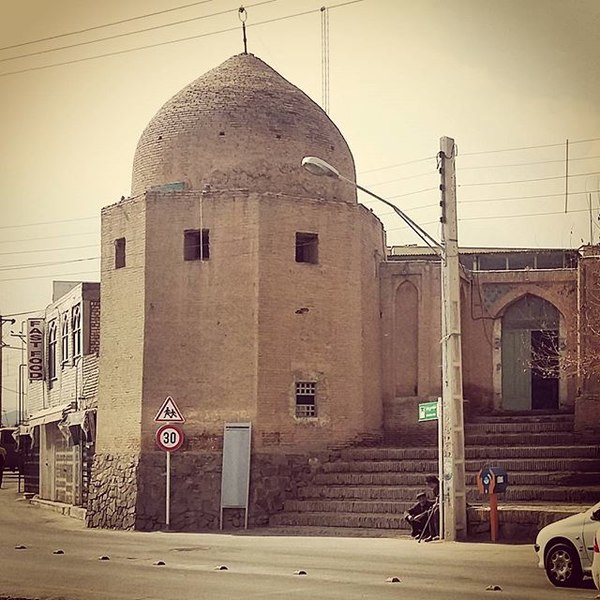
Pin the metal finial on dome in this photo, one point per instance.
(243, 15)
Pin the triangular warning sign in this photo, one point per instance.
(169, 413)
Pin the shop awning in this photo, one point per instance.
(48, 415)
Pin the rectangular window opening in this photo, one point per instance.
(306, 399)
(307, 248)
(196, 244)
(119, 253)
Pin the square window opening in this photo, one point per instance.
(119, 253)
(196, 244)
(306, 399)
(307, 247)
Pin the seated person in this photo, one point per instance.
(433, 483)
(418, 514)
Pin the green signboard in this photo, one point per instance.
(428, 411)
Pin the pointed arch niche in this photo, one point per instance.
(406, 340)
(528, 357)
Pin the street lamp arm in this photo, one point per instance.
(317, 166)
(430, 241)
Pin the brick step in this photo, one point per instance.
(518, 427)
(333, 519)
(566, 465)
(531, 451)
(522, 493)
(471, 452)
(381, 466)
(557, 463)
(527, 513)
(388, 453)
(562, 438)
(540, 478)
(347, 506)
(525, 418)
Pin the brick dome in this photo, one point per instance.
(242, 126)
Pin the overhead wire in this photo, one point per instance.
(570, 176)
(571, 142)
(49, 249)
(50, 222)
(49, 237)
(125, 34)
(178, 40)
(95, 27)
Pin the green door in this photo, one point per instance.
(516, 371)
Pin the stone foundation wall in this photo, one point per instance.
(127, 493)
(113, 492)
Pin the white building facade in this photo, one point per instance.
(61, 403)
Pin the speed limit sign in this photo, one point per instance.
(169, 438)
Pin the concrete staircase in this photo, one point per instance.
(550, 476)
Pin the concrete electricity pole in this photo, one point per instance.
(2, 321)
(453, 485)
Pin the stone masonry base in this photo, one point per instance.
(128, 491)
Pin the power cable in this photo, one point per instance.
(49, 249)
(47, 264)
(49, 222)
(561, 194)
(54, 37)
(49, 237)
(403, 164)
(50, 276)
(537, 162)
(528, 147)
(529, 180)
(543, 214)
(184, 39)
(121, 35)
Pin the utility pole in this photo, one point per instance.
(453, 484)
(2, 321)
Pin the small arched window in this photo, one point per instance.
(76, 330)
(64, 339)
(52, 333)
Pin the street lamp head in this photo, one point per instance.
(317, 166)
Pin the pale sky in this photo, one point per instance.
(516, 75)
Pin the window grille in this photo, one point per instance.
(306, 399)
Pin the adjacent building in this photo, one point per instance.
(58, 435)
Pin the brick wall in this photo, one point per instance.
(122, 324)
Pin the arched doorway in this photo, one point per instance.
(530, 355)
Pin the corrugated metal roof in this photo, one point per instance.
(426, 251)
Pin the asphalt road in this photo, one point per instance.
(259, 565)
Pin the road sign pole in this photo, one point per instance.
(168, 492)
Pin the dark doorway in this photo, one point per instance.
(544, 370)
(530, 355)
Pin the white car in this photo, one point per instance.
(596, 562)
(565, 548)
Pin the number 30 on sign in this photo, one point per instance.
(169, 438)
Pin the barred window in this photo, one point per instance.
(306, 399)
